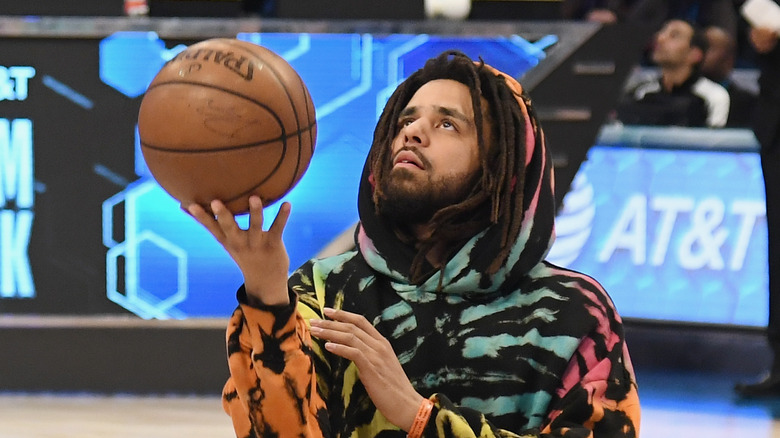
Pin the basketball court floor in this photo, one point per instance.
(676, 405)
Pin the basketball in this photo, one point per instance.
(226, 119)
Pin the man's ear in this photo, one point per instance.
(695, 56)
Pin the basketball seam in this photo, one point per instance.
(264, 180)
(225, 90)
(290, 101)
(228, 148)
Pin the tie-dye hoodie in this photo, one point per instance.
(532, 350)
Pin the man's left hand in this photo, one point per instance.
(352, 337)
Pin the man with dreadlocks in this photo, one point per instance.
(445, 320)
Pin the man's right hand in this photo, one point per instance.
(260, 255)
(763, 39)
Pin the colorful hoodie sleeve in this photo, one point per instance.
(272, 390)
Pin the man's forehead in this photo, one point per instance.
(679, 26)
(444, 93)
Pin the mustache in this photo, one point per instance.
(416, 152)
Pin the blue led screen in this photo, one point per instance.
(671, 233)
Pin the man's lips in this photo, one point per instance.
(408, 158)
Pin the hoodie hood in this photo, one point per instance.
(466, 272)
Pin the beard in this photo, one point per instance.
(408, 200)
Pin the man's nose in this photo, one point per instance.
(416, 133)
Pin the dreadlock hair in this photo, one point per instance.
(497, 194)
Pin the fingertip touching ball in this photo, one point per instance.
(226, 119)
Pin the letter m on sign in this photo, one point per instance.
(16, 203)
(16, 163)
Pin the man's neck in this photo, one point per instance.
(420, 231)
(675, 76)
(436, 255)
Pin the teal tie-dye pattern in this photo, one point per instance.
(407, 325)
(539, 367)
(456, 266)
(364, 283)
(439, 376)
(379, 264)
(544, 315)
(406, 356)
(334, 265)
(532, 405)
(491, 346)
(398, 310)
(516, 299)
(403, 316)
(415, 296)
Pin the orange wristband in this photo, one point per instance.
(421, 419)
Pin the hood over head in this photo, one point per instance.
(514, 225)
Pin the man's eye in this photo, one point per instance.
(447, 124)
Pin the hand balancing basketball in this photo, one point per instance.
(226, 119)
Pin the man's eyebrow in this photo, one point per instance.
(409, 110)
(450, 112)
(453, 113)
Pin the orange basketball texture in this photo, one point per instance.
(226, 119)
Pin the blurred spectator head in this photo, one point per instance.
(720, 56)
(678, 44)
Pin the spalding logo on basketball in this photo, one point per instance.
(226, 119)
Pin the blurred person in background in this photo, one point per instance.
(680, 95)
(718, 66)
(766, 126)
(700, 13)
(601, 11)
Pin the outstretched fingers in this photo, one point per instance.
(261, 256)
(277, 227)
(255, 213)
(207, 220)
(225, 219)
